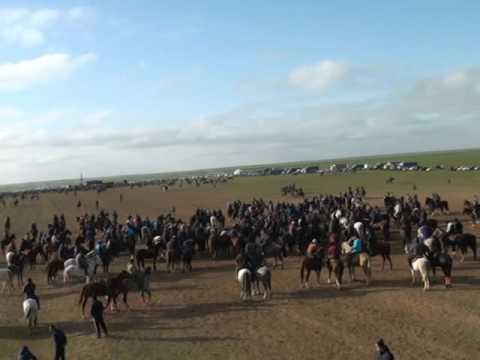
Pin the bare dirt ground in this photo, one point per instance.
(200, 316)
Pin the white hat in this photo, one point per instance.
(314, 241)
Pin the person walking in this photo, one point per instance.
(382, 351)
(97, 315)
(60, 341)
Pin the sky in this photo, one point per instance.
(126, 87)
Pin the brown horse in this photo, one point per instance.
(110, 289)
(53, 267)
(310, 264)
(383, 248)
(336, 266)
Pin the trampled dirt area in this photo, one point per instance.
(200, 315)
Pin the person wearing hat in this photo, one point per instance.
(312, 248)
(383, 352)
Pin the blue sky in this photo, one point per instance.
(110, 87)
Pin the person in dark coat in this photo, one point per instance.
(26, 354)
(60, 341)
(29, 291)
(97, 315)
(383, 352)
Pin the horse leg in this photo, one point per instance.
(463, 251)
(307, 279)
(281, 262)
(412, 272)
(383, 262)
(389, 258)
(318, 277)
(338, 276)
(329, 267)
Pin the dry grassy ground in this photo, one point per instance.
(200, 315)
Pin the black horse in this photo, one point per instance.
(463, 242)
(152, 252)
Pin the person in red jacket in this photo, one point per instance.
(312, 248)
(333, 249)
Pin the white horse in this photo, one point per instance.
(6, 277)
(30, 312)
(9, 258)
(73, 270)
(264, 276)
(244, 278)
(421, 266)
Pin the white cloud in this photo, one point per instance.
(320, 76)
(27, 27)
(30, 73)
(427, 115)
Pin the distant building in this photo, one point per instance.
(391, 165)
(338, 167)
(408, 165)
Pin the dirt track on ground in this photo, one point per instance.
(200, 315)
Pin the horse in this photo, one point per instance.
(263, 275)
(274, 250)
(30, 312)
(6, 241)
(310, 264)
(462, 241)
(390, 180)
(32, 254)
(350, 260)
(420, 266)
(436, 253)
(6, 276)
(383, 248)
(336, 266)
(244, 278)
(152, 252)
(434, 205)
(72, 269)
(16, 263)
(110, 289)
(52, 269)
(186, 257)
(137, 281)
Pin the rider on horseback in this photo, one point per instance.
(312, 248)
(333, 249)
(82, 262)
(253, 259)
(29, 291)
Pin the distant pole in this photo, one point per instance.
(81, 178)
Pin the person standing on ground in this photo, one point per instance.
(97, 315)
(383, 352)
(60, 341)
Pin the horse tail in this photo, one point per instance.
(29, 313)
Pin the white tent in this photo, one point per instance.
(237, 172)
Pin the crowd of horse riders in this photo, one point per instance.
(324, 228)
